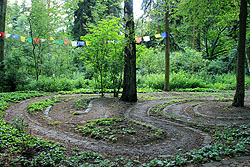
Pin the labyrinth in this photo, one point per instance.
(160, 125)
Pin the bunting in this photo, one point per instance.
(2, 35)
(15, 36)
(139, 39)
(22, 38)
(74, 43)
(146, 38)
(60, 42)
(158, 36)
(42, 40)
(81, 43)
(77, 43)
(8, 35)
(164, 35)
(36, 40)
(66, 42)
(51, 38)
(29, 40)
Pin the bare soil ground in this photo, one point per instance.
(175, 121)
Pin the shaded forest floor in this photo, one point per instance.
(159, 125)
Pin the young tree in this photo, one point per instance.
(104, 52)
(129, 93)
(240, 86)
(3, 6)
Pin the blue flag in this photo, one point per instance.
(15, 36)
(164, 35)
(81, 43)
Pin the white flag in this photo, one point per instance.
(74, 43)
(8, 35)
(146, 38)
(42, 40)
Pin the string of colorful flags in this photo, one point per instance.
(73, 43)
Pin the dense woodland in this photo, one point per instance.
(203, 45)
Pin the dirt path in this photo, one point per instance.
(178, 138)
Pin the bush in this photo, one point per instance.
(51, 84)
(189, 61)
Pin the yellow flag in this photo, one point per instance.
(87, 43)
(22, 39)
(158, 36)
(51, 38)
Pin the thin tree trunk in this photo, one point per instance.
(193, 41)
(167, 48)
(3, 7)
(248, 57)
(129, 93)
(199, 41)
(159, 29)
(240, 76)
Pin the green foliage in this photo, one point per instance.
(157, 110)
(104, 54)
(228, 142)
(149, 61)
(106, 129)
(194, 82)
(41, 105)
(82, 103)
(190, 61)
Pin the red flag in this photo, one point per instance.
(36, 40)
(2, 35)
(66, 42)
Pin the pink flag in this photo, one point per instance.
(138, 39)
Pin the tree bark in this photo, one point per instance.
(199, 41)
(167, 46)
(3, 6)
(129, 93)
(240, 74)
(193, 41)
(248, 56)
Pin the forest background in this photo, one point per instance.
(203, 45)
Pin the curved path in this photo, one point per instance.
(179, 138)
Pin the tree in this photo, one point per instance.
(104, 53)
(240, 74)
(91, 11)
(41, 16)
(129, 93)
(167, 50)
(3, 6)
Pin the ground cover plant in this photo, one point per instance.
(112, 129)
(82, 103)
(43, 104)
(18, 148)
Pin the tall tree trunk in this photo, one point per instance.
(129, 93)
(167, 48)
(240, 86)
(3, 6)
